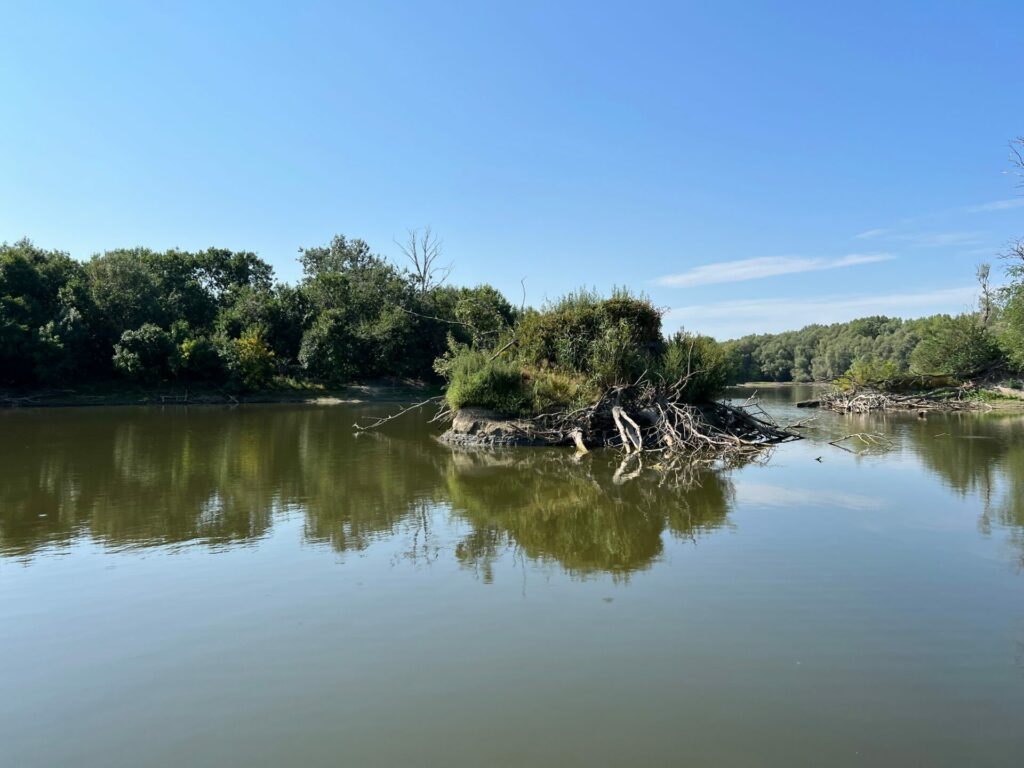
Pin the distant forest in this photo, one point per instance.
(825, 352)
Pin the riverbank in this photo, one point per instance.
(115, 395)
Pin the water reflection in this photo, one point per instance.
(980, 455)
(219, 477)
(148, 477)
(974, 454)
(553, 509)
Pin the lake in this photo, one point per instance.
(258, 586)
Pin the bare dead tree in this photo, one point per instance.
(985, 301)
(1015, 256)
(1017, 156)
(423, 249)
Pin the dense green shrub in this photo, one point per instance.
(956, 346)
(38, 322)
(249, 361)
(878, 374)
(330, 351)
(615, 357)
(583, 332)
(1012, 340)
(580, 347)
(698, 361)
(474, 378)
(146, 354)
(200, 360)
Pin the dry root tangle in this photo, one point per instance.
(869, 400)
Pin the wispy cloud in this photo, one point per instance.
(872, 233)
(729, 319)
(765, 266)
(997, 205)
(941, 239)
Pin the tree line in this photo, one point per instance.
(219, 318)
(987, 340)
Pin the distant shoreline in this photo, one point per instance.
(350, 395)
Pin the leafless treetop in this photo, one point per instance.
(423, 249)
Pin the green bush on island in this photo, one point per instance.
(577, 349)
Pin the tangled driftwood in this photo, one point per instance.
(650, 421)
(647, 421)
(868, 400)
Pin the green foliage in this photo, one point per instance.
(578, 348)
(146, 354)
(1012, 339)
(35, 292)
(956, 346)
(699, 362)
(200, 360)
(482, 314)
(824, 353)
(330, 350)
(582, 332)
(249, 360)
(474, 378)
(354, 316)
(615, 358)
(877, 374)
(550, 389)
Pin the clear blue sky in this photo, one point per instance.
(853, 159)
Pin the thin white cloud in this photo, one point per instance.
(987, 251)
(765, 266)
(942, 239)
(872, 233)
(997, 205)
(730, 319)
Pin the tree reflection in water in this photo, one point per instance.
(553, 509)
(220, 477)
(979, 455)
(150, 477)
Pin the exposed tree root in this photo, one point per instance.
(652, 426)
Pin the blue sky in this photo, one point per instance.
(751, 166)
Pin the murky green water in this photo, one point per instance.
(258, 587)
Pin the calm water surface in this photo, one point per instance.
(256, 586)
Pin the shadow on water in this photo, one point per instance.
(149, 477)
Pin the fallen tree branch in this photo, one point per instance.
(386, 419)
